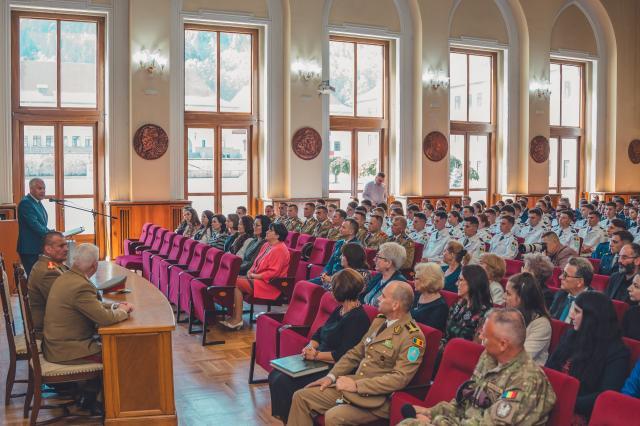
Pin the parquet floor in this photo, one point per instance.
(210, 382)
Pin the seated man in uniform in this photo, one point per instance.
(504, 243)
(399, 235)
(324, 224)
(592, 234)
(532, 233)
(310, 222)
(374, 236)
(438, 239)
(419, 233)
(338, 217)
(46, 270)
(293, 222)
(507, 386)
(384, 361)
(348, 232)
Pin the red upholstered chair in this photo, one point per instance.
(417, 257)
(206, 272)
(458, 362)
(554, 281)
(595, 263)
(421, 380)
(558, 328)
(163, 252)
(292, 239)
(174, 253)
(320, 253)
(634, 348)
(450, 297)
(600, 282)
(566, 389)
(162, 278)
(205, 293)
(513, 267)
(620, 308)
(371, 256)
(134, 261)
(614, 409)
(148, 229)
(193, 267)
(304, 239)
(371, 311)
(301, 311)
(284, 284)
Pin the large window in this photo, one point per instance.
(358, 108)
(472, 114)
(221, 116)
(57, 102)
(566, 119)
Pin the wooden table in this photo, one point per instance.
(138, 364)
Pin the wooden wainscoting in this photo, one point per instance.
(532, 199)
(8, 245)
(609, 196)
(8, 211)
(131, 215)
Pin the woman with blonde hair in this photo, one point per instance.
(454, 257)
(429, 307)
(495, 267)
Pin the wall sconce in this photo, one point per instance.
(306, 70)
(435, 79)
(542, 89)
(152, 62)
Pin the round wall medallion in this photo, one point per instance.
(435, 146)
(539, 149)
(634, 151)
(150, 142)
(306, 143)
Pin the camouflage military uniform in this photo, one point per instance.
(293, 224)
(334, 234)
(373, 240)
(44, 273)
(322, 229)
(362, 232)
(517, 392)
(409, 246)
(308, 226)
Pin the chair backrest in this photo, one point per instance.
(151, 234)
(458, 362)
(187, 251)
(371, 255)
(328, 304)
(566, 389)
(554, 281)
(450, 297)
(513, 267)
(431, 343)
(634, 348)
(198, 256)
(292, 239)
(144, 231)
(620, 308)
(614, 409)
(228, 270)
(29, 331)
(176, 247)
(558, 328)
(371, 311)
(167, 243)
(211, 263)
(294, 259)
(595, 263)
(7, 309)
(158, 239)
(304, 239)
(417, 253)
(303, 304)
(321, 251)
(600, 282)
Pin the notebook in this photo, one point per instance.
(296, 366)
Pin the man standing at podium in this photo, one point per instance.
(32, 224)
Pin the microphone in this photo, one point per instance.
(56, 200)
(408, 412)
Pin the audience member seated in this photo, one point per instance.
(293, 222)
(399, 235)
(419, 232)
(232, 230)
(574, 280)
(205, 232)
(532, 232)
(260, 227)
(523, 293)
(338, 217)
(495, 267)
(507, 387)
(564, 230)
(631, 319)
(632, 384)
(593, 234)
(475, 301)
(364, 396)
(603, 249)
(610, 261)
(190, 223)
(539, 265)
(438, 239)
(282, 213)
(244, 238)
(593, 351)
(308, 225)
(344, 328)
(558, 254)
(241, 211)
(429, 307)
(628, 266)
(45, 271)
(504, 243)
(471, 240)
(375, 236)
(388, 260)
(354, 257)
(272, 262)
(220, 234)
(348, 231)
(324, 224)
(454, 257)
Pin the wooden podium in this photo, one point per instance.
(137, 357)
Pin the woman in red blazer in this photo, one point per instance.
(272, 262)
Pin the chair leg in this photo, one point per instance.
(37, 400)
(29, 396)
(251, 321)
(11, 377)
(204, 332)
(190, 329)
(252, 367)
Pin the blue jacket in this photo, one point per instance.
(335, 261)
(451, 281)
(632, 385)
(601, 250)
(32, 225)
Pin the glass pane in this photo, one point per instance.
(553, 162)
(201, 203)
(571, 95)
(368, 157)
(339, 160)
(341, 68)
(569, 166)
(39, 162)
(456, 162)
(75, 218)
(200, 160)
(200, 69)
(344, 198)
(478, 161)
(78, 64)
(458, 87)
(235, 72)
(370, 80)
(38, 63)
(234, 160)
(480, 88)
(478, 195)
(78, 160)
(571, 195)
(554, 101)
(231, 202)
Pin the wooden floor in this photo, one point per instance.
(210, 382)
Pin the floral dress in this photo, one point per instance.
(463, 321)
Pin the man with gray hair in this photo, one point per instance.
(32, 224)
(507, 386)
(73, 311)
(384, 361)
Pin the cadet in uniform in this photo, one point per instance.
(506, 388)
(419, 233)
(437, 240)
(375, 237)
(385, 361)
(532, 233)
(504, 244)
(471, 240)
(293, 222)
(310, 222)
(360, 216)
(564, 230)
(339, 216)
(593, 234)
(399, 235)
(324, 224)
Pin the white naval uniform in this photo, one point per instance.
(565, 235)
(532, 234)
(474, 246)
(504, 245)
(436, 244)
(421, 237)
(593, 235)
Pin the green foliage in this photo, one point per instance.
(456, 170)
(369, 168)
(339, 165)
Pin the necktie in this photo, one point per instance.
(567, 308)
(502, 238)
(465, 241)
(561, 231)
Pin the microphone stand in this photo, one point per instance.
(92, 211)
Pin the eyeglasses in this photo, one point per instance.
(564, 275)
(380, 257)
(625, 257)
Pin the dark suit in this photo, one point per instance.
(32, 227)
(617, 287)
(559, 303)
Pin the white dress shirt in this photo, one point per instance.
(504, 245)
(435, 246)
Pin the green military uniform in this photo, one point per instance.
(44, 273)
(373, 240)
(280, 219)
(385, 361)
(70, 319)
(308, 226)
(293, 224)
(408, 244)
(273, 218)
(334, 234)
(322, 229)
(518, 392)
(362, 232)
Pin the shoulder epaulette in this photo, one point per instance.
(380, 316)
(411, 327)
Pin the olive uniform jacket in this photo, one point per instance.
(410, 247)
(42, 276)
(384, 361)
(374, 240)
(72, 313)
(322, 229)
(308, 226)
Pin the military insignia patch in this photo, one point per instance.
(51, 265)
(388, 344)
(510, 395)
(418, 342)
(503, 410)
(413, 354)
(380, 316)
(411, 327)
(397, 329)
